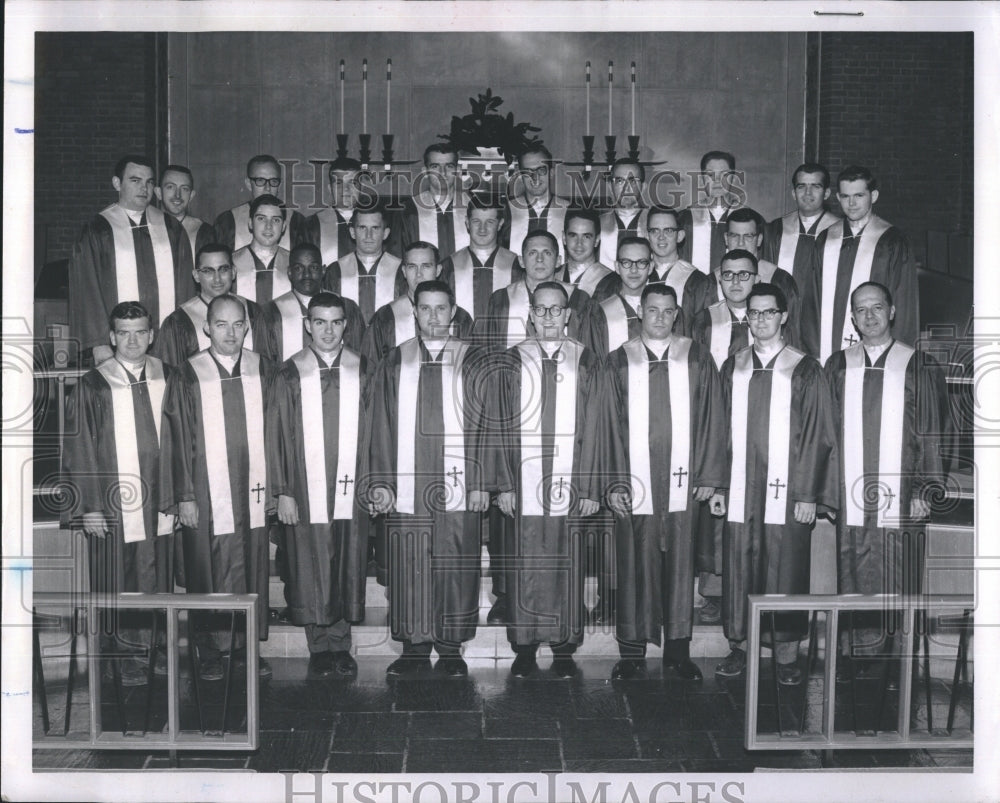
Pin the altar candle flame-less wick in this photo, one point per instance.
(588, 97)
(388, 93)
(611, 78)
(364, 96)
(633, 98)
(341, 96)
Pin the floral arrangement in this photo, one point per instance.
(486, 128)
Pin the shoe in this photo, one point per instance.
(629, 668)
(524, 664)
(211, 668)
(789, 674)
(733, 665)
(564, 666)
(684, 667)
(160, 664)
(603, 613)
(711, 612)
(453, 666)
(407, 666)
(133, 672)
(279, 616)
(344, 663)
(321, 664)
(845, 670)
(264, 670)
(498, 613)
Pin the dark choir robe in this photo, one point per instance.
(655, 545)
(330, 232)
(232, 227)
(525, 219)
(394, 324)
(433, 540)
(507, 322)
(311, 459)
(475, 281)
(257, 281)
(765, 550)
(117, 260)
(228, 551)
(610, 324)
(370, 288)
(421, 218)
(282, 332)
(704, 242)
(893, 404)
(199, 234)
(797, 314)
(597, 280)
(880, 253)
(693, 289)
(613, 228)
(112, 437)
(183, 332)
(549, 467)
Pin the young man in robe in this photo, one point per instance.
(704, 222)
(262, 266)
(783, 473)
(329, 228)
(484, 266)
(263, 178)
(582, 239)
(890, 405)
(175, 193)
(533, 204)
(616, 320)
(315, 438)
(111, 463)
(369, 276)
(213, 471)
(664, 414)
(862, 248)
(129, 251)
(626, 217)
(427, 479)
(664, 232)
(436, 213)
(544, 395)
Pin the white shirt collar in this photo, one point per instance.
(229, 363)
(874, 352)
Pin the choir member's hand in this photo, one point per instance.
(620, 503)
(478, 501)
(507, 502)
(919, 509)
(188, 512)
(588, 507)
(717, 506)
(102, 353)
(382, 500)
(94, 524)
(288, 509)
(703, 494)
(805, 512)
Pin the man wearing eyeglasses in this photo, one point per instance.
(705, 220)
(664, 231)
(329, 228)
(263, 178)
(175, 193)
(615, 320)
(582, 240)
(533, 205)
(111, 466)
(783, 474)
(436, 212)
(626, 217)
(130, 251)
(543, 395)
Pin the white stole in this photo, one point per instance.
(790, 225)
(677, 278)
(890, 454)
(721, 333)
(246, 275)
(831, 340)
(427, 226)
(126, 269)
(617, 322)
(520, 221)
(518, 298)
(213, 422)
(290, 310)
(453, 406)
(385, 279)
(404, 325)
(610, 234)
(192, 226)
(463, 271)
(197, 310)
(242, 236)
(130, 481)
(778, 444)
(329, 235)
(592, 277)
(531, 432)
(314, 434)
(701, 238)
(638, 424)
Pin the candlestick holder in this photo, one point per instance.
(633, 147)
(366, 149)
(588, 152)
(387, 150)
(609, 145)
(342, 141)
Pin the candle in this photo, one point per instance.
(341, 96)
(611, 78)
(364, 96)
(588, 98)
(388, 92)
(633, 98)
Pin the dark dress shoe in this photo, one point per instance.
(711, 612)
(211, 668)
(344, 663)
(564, 666)
(524, 664)
(264, 670)
(684, 667)
(629, 668)
(132, 672)
(603, 613)
(407, 665)
(498, 613)
(453, 666)
(321, 664)
(733, 665)
(789, 675)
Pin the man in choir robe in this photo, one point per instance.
(890, 421)
(508, 320)
(626, 217)
(532, 203)
(704, 222)
(329, 228)
(369, 276)
(483, 266)
(664, 232)
(427, 478)
(582, 239)
(315, 438)
(665, 417)
(616, 319)
(544, 397)
(183, 332)
(175, 193)
(284, 327)
(213, 471)
(129, 251)
(862, 248)
(262, 266)
(436, 211)
(783, 473)
(111, 465)
(394, 323)
(263, 178)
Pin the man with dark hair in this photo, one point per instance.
(533, 204)
(863, 248)
(582, 240)
(616, 320)
(263, 177)
(665, 414)
(316, 444)
(783, 474)
(484, 266)
(436, 212)
(175, 193)
(789, 241)
(427, 478)
(626, 217)
(262, 266)
(111, 464)
(704, 221)
(129, 251)
(664, 232)
(329, 228)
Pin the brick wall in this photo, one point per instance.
(92, 105)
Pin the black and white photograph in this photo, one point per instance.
(500, 401)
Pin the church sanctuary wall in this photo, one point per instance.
(232, 95)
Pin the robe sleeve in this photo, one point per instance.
(711, 467)
(205, 236)
(606, 287)
(475, 372)
(81, 462)
(225, 228)
(178, 442)
(503, 428)
(590, 381)
(695, 300)
(354, 335)
(701, 328)
(172, 344)
(594, 335)
(814, 470)
(612, 463)
(180, 243)
(934, 438)
(382, 441)
(331, 278)
(267, 335)
(463, 324)
(490, 329)
(901, 276)
(280, 441)
(371, 343)
(790, 288)
(88, 309)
